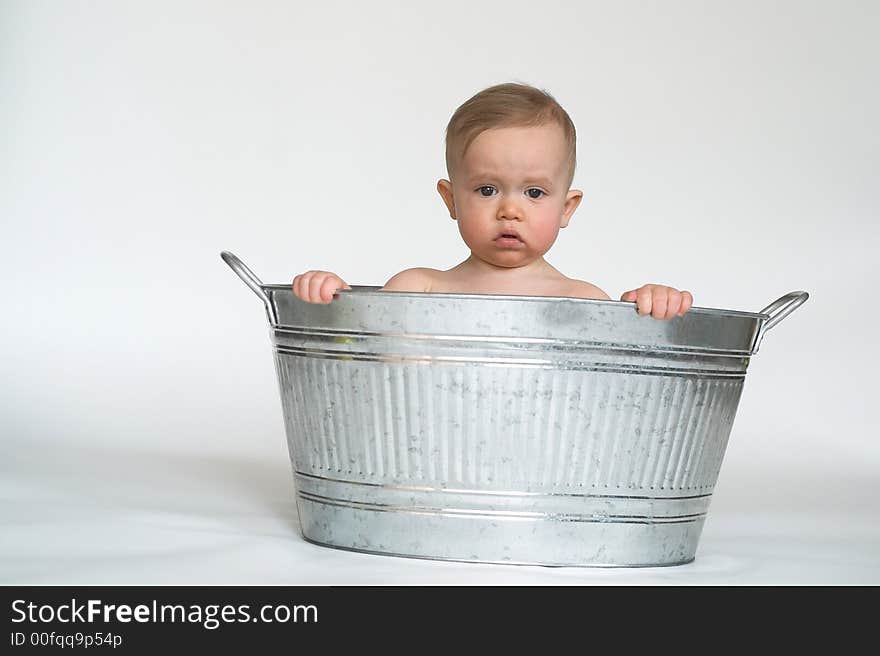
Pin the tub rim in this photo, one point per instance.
(376, 291)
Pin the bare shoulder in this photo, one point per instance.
(583, 289)
(419, 279)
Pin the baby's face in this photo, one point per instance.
(512, 181)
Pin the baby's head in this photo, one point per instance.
(508, 105)
(510, 154)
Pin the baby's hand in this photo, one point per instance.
(660, 301)
(317, 286)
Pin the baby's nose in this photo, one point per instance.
(509, 209)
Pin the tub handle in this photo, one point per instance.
(251, 280)
(777, 311)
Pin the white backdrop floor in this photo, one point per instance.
(89, 515)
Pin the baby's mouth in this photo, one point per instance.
(509, 240)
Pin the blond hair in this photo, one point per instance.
(504, 106)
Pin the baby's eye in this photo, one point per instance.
(534, 193)
(487, 190)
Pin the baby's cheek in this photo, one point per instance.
(545, 233)
(469, 232)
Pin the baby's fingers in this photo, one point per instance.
(687, 300)
(318, 286)
(673, 303)
(659, 302)
(329, 287)
(644, 300)
(301, 285)
(316, 283)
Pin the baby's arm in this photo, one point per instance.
(317, 286)
(660, 301)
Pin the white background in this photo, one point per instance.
(729, 148)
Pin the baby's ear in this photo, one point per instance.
(572, 200)
(445, 189)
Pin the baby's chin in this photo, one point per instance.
(507, 259)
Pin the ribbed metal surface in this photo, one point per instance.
(506, 428)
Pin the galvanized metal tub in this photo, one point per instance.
(507, 429)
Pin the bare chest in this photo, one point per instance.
(518, 287)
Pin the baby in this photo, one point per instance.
(510, 155)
